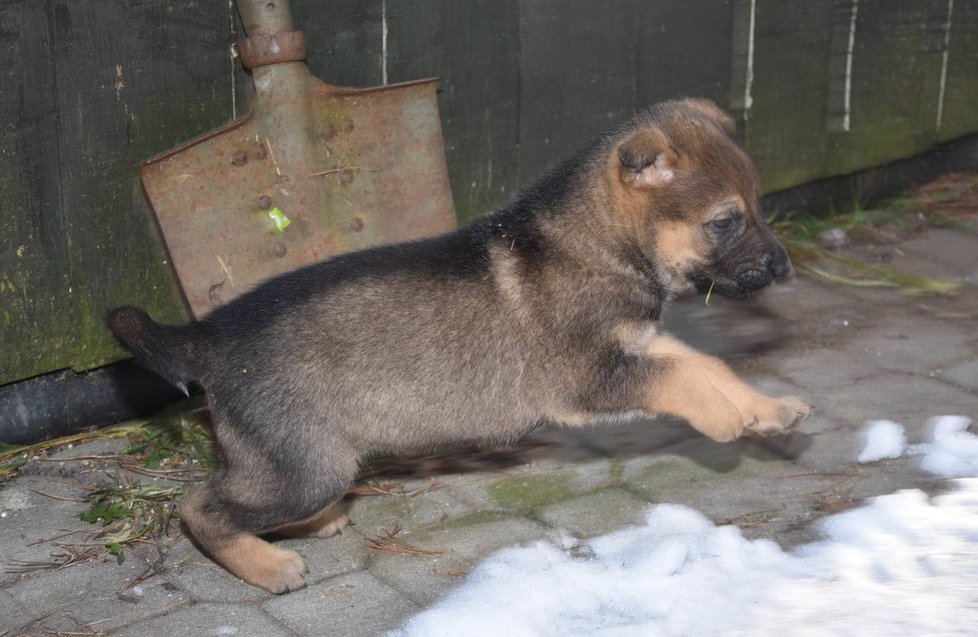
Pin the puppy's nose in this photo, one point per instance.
(778, 264)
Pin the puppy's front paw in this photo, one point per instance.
(722, 423)
(778, 415)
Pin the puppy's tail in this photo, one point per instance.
(167, 350)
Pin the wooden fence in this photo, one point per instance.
(90, 88)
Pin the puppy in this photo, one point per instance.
(546, 311)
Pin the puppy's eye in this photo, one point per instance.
(723, 223)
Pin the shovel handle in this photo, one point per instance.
(265, 17)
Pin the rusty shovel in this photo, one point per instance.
(311, 171)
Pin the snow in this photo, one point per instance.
(903, 564)
(954, 451)
(884, 439)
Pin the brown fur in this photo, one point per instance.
(547, 311)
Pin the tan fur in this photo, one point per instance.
(679, 249)
(247, 556)
(259, 563)
(704, 391)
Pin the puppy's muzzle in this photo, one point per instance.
(772, 266)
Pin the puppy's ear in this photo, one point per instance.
(709, 110)
(646, 160)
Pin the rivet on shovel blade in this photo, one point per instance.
(279, 250)
(347, 126)
(264, 202)
(356, 224)
(239, 158)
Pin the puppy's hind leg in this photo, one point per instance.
(226, 516)
(327, 523)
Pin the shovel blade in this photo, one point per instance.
(312, 171)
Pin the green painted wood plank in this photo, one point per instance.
(684, 51)
(473, 48)
(785, 128)
(896, 66)
(960, 108)
(34, 336)
(128, 80)
(344, 40)
(578, 62)
(142, 77)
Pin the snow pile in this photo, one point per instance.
(904, 564)
(954, 452)
(884, 439)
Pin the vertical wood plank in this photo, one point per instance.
(959, 115)
(896, 68)
(786, 124)
(578, 63)
(134, 78)
(473, 48)
(344, 40)
(684, 51)
(120, 81)
(33, 332)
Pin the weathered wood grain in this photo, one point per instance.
(34, 336)
(786, 126)
(577, 61)
(473, 48)
(896, 68)
(124, 81)
(684, 50)
(959, 115)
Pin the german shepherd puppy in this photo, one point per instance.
(547, 311)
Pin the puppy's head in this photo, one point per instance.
(689, 194)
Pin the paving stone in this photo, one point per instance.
(963, 374)
(596, 513)
(803, 296)
(907, 342)
(905, 398)
(423, 579)
(821, 370)
(370, 514)
(528, 487)
(947, 253)
(25, 518)
(13, 614)
(637, 437)
(462, 543)
(690, 466)
(210, 620)
(96, 592)
(354, 605)
(205, 581)
(331, 556)
(759, 496)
